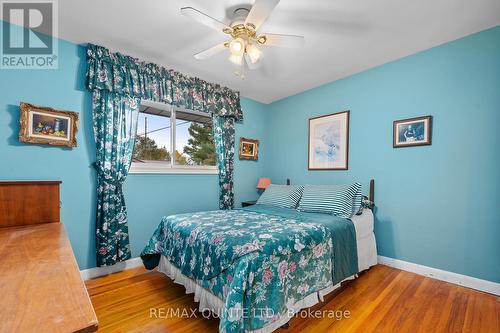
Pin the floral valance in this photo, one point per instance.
(125, 75)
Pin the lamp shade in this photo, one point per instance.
(263, 183)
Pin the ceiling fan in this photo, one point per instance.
(245, 39)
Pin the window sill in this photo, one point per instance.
(148, 169)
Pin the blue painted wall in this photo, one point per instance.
(148, 197)
(437, 205)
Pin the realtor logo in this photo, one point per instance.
(29, 31)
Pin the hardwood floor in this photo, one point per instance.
(382, 299)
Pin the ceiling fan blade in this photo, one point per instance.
(290, 41)
(210, 52)
(260, 12)
(205, 19)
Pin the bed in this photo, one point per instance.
(257, 266)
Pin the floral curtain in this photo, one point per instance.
(118, 83)
(125, 75)
(115, 124)
(223, 128)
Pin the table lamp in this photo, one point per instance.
(263, 183)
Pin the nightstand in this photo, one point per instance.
(248, 203)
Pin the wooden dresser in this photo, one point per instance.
(40, 285)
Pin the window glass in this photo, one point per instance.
(194, 140)
(152, 144)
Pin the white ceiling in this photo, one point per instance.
(343, 37)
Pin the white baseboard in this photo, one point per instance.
(434, 273)
(438, 274)
(91, 273)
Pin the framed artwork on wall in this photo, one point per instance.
(44, 125)
(249, 149)
(412, 132)
(329, 142)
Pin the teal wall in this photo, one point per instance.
(437, 205)
(148, 197)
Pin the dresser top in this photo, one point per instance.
(40, 282)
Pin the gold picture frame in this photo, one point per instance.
(43, 125)
(249, 149)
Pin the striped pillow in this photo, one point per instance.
(358, 199)
(338, 200)
(286, 196)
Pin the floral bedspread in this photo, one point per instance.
(259, 263)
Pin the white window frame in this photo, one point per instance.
(172, 168)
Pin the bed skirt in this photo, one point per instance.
(210, 302)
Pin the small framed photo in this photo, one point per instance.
(249, 149)
(412, 132)
(44, 125)
(329, 142)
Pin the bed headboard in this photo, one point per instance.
(28, 202)
(371, 194)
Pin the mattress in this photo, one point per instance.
(367, 257)
(365, 239)
(363, 223)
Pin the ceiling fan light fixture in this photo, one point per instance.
(236, 59)
(254, 53)
(262, 39)
(250, 26)
(237, 46)
(241, 73)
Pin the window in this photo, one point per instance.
(194, 139)
(152, 141)
(172, 140)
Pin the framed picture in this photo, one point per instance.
(43, 125)
(412, 132)
(249, 149)
(329, 142)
